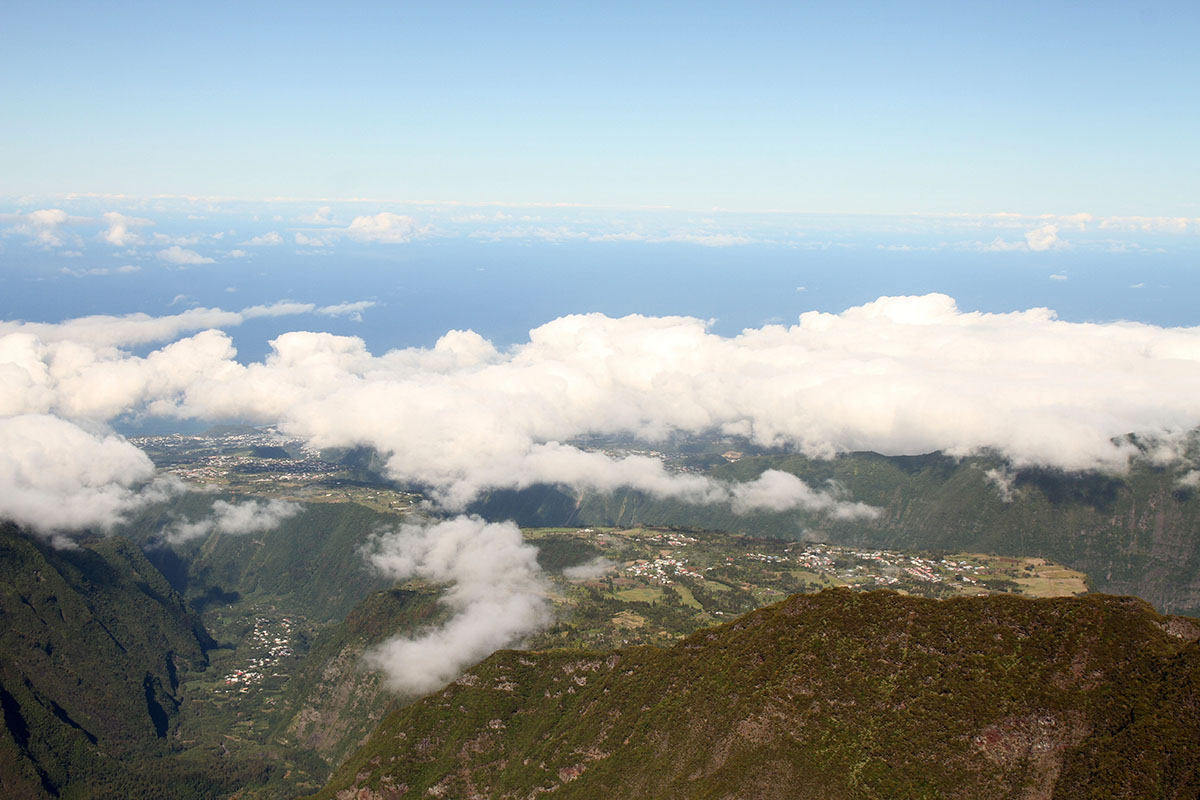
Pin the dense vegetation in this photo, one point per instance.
(834, 695)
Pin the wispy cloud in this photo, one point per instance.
(104, 330)
(235, 519)
(126, 269)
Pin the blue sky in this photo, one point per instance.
(493, 166)
(879, 108)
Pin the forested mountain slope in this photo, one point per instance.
(834, 695)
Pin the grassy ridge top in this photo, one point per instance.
(872, 695)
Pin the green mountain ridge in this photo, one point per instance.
(833, 695)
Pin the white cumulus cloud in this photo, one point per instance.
(385, 227)
(44, 226)
(119, 232)
(900, 375)
(1044, 237)
(57, 477)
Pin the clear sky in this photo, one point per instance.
(837, 107)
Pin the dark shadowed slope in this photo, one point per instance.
(92, 642)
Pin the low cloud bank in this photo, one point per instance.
(104, 330)
(497, 595)
(900, 375)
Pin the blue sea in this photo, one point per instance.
(503, 289)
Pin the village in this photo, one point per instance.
(821, 564)
(269, 643)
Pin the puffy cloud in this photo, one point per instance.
(180, 255)
(385, 227)
(305, 240)
(252, 516)
(271, 238)
(1038, 240)
(55, 476)
(781, 491)
(322, 216)
(496, 592)
(47, 218)
(118, 232)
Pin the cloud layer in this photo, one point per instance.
(898, 375)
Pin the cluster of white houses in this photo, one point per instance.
(272, 647)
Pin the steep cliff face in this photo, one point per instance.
(836, 695)
(92, 641)
(1133, 534)
(333, 701)
(310, 562)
